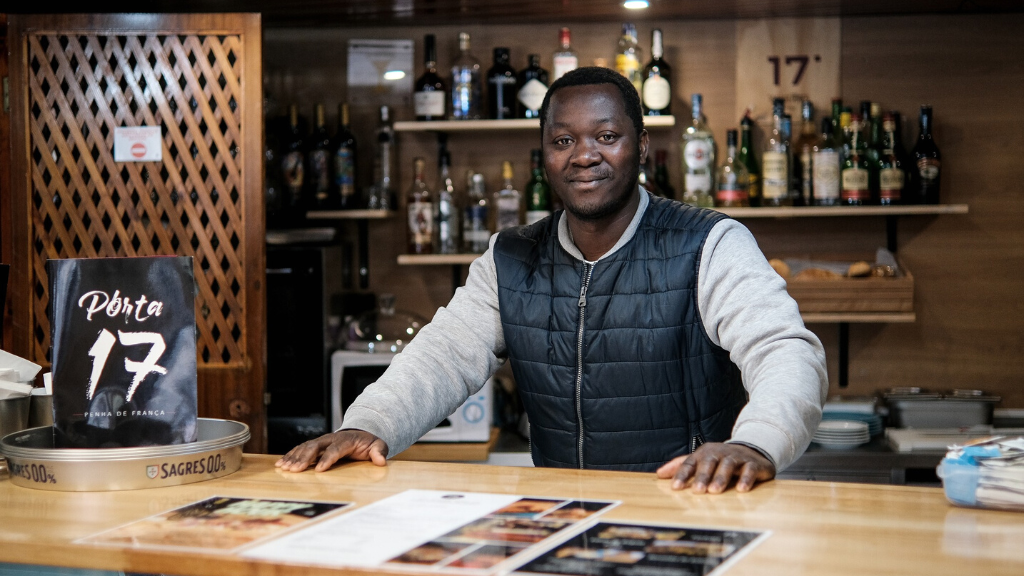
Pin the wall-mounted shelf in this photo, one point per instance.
(495, 125)
(822, 211)
(436, 259)
(349, 214)
(859, 317)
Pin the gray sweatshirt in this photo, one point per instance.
(742, 301)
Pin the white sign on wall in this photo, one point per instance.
(138, 144)
(380, 72)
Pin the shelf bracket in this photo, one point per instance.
(844, 354)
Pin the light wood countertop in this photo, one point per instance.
(818, 528)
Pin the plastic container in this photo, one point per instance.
(961, 483)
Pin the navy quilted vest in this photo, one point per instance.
(620, 375)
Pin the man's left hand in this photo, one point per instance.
(712, 467)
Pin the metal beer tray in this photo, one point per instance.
(33, 462)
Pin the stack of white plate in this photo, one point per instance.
(841, 434)
(874, 421)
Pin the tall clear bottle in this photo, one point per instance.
(344, 161)
(508, 202)
(467, 86)
(775, 167)
(420, 211)
(565, 58)
(431, 92)
(538, 192)
(698, 158)
(501, 87)
(656, 93)
(732, 181)
(749, 160)
(803, 155)
(826, 167)
(891, 168)
(382, 194)
(924, 182)
(446, 215)
(475, 226)
(629, 55)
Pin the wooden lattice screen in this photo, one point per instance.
(197, 77)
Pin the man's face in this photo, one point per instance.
(592, 154)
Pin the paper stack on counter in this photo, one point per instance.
(987, 473)
(16, 375)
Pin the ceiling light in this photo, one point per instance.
(635, 4)
(394, 75)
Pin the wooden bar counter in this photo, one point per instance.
(817, 527)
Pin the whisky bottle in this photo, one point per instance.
(656, 93)
(803, 155)
(732, 179)
(698, 158)
(467, 88)
(826, 167)
(501, 87)
(775, 163)
(891, 169)
(628, 56)
(344, 158)
(420, 211)
(507, 201)
(749, 160)
(856, 190)
(924, 183)
(565, 58)
(532, 85)
(431, 93)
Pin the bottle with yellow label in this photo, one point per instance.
(775, 163)
(629, 55)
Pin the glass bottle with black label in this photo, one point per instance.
(538, 192)
(628, 56)
(318, 160)
(345, 161)
(431, 93)
(293, 165)
(565, 58)
(501, 87)
(533, 85)
(924, 183)
(467, 87)
(420, 212)
(749, 160)
(856, 190)
(891, 169)
(656, 93)
(731, 180)
(476, 231)
(775, 163)
(698, 159)
(446, 214)
(825, 168)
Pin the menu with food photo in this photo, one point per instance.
(217, 524)
(432, 530)
(626, 549)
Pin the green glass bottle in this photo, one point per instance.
(538, 192)
(855, 178)
(747, 158)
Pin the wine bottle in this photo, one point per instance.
(533, 85)
(420, 211)
(924, 185)
(826, 167)
(318, 157)
(565, 58)
(661, 178)
(467, 88)
(732, 180)
(749, 160)
(538, 192)
(431, 92)
(803, 155)
(345, 161)
(501, 87)
(656, 92)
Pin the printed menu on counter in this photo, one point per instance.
(217, 524)
(431, 530)
(627, 549)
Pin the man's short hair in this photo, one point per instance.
(590, 75)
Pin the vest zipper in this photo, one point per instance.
(588, 270)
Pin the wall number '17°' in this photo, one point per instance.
(800, 59)
(104, 343)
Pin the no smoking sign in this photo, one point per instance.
(137, 144)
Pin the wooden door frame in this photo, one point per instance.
(223, 392)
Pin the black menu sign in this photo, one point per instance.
(124, 351)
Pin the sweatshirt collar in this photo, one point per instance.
(565, 239)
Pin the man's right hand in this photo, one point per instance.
(329, 448)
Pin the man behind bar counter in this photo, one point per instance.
(636, 326)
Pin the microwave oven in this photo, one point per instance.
(352, 372)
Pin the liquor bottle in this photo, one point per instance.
(467, 89)
(803, 156)
(656, 93)
(749, 160)
(382, 193)
(787, 136)
(565, 58)
(538, 192)
(318, 160)
(273, 184)
(628, 56)
(420, 212)
(446, 215)
(891, 168)
(431, 92)
(924, 183)
(854, 176)
(293, 165)
(345, 161)
(837, 112)
(731, 190)
(873, 141)
(904, 157)
(533, 85)
(661, 179)
(844, 128)
(501, 87)
(775, 163)
(646, 177)
(476, 233)
(508, 201)
(698, 159)
(826, 166)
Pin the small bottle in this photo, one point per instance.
(501, 87)
(775, 163)
(467, 88)
(826, 167)
(698, 159)
(661, 178)
(382, 194)
(345, 161)
(628, 56)
(656, 93)
(803, 155)
(446, 215)
(533, 85)
(749, 160)
(475, 230)
(420, 212)
(732, 179)
(565, 58)
(293, 165)
(856, 190)
(538, 192)
(924, 183)
(431, 93)
(508, 201)
(891, 170)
